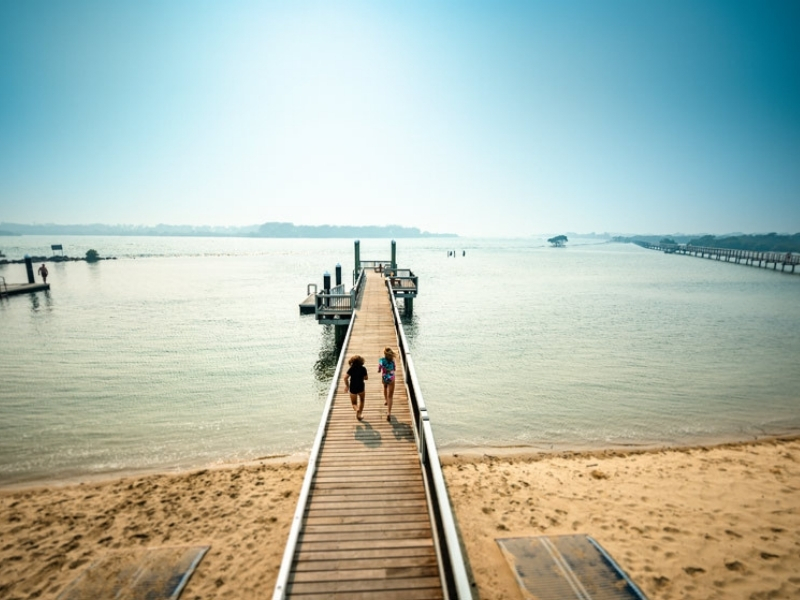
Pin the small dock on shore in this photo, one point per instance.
(12, 289)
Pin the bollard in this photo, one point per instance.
(29, 268)
(394, 256)
(326, 287)
(358, 260)
(338, 274)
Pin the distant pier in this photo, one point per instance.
(788, 261)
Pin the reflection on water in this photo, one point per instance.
(325, 366)
(34, 300)
(410, 325)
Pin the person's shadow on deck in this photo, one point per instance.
(368, 436)
(402, 431)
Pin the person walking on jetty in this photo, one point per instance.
(386, 368)
(43, 272)
(354, 383)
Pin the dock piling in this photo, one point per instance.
(29, 268)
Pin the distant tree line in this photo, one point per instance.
(770, 242)
(289, 230)
(267, 230)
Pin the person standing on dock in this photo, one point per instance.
(43, 272)
(354, 383)
(386, 368)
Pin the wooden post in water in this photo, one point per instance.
(338, 274)
(358, 260)
(29, 268)
(340, 332)
(394, 256)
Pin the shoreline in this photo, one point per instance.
(719, 521)
(445, 455)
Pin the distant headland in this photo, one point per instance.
(266, 230)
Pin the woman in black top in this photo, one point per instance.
(354, 383)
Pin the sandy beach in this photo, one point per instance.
(707, 522)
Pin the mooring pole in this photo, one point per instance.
(338, 274)
(408, 303)
(29, 268)
(358, 260)
(326, 286)
(394, 256)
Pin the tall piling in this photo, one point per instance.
(358, 260)
(29, 268)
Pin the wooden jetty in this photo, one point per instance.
(373, 518)
(787, 261)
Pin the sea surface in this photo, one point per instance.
(186, 352)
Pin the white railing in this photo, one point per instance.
(453, 568)
(305, 490)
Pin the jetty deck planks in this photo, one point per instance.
(366, 532)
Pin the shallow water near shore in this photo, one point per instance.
(191, 351)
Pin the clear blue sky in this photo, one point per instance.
(476, 118)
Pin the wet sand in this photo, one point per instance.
(706, 522)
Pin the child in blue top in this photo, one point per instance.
(386, 368)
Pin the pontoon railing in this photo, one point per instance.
(338, 301)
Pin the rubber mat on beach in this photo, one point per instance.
(566, 566)
(151, 574)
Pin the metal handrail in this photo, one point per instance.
(455, 579)
(313, 461)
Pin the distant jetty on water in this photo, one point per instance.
(40, 259)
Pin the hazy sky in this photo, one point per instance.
(477, 118)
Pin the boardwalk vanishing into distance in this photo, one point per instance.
(373, 519)
(787, 261)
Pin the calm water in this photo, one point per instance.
(186, 351)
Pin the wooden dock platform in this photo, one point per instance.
(366, 528)
(11, 289)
